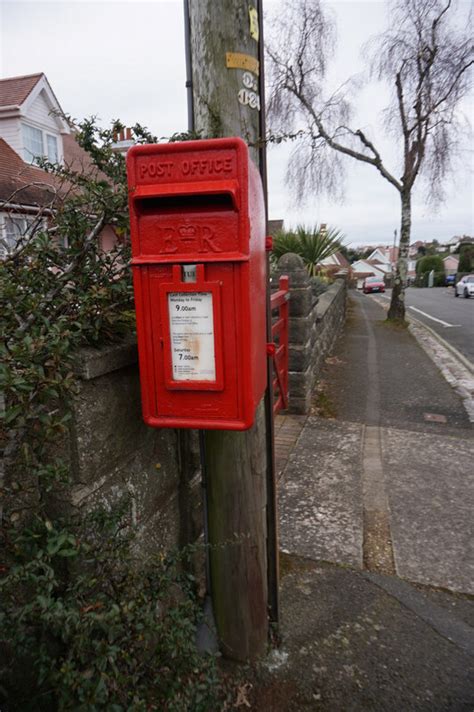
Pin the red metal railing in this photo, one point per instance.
(279, 347)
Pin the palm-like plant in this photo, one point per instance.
(283, 243)
(312, 244)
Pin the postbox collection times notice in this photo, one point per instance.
(192, 337)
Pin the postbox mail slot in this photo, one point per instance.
(196, 202)
(210, 188)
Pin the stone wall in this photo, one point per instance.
(315, 323)
(113, 453)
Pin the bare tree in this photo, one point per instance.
(425, 57)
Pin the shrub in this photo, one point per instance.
(82, 627)
(439, 279)
(113, 636)
(319, 284)
(429, 263)
(466, 258)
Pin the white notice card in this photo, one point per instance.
(192, 336)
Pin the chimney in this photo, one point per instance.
(123, 140)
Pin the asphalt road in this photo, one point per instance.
(451, 318)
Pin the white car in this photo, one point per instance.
(465, 287)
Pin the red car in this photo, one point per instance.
(373, 284)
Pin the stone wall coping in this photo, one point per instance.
(94, 362)
(327, 298)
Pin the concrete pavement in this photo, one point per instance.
(456, 366)
(376, 505)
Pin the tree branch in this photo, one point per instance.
(376, 161)
(401, 104)
(443, 99)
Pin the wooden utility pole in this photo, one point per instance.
(222, 50)
(223, 66)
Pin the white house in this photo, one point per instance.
(386, 256)
(32, 125)
(365, 268)
(31, 119)
(336, 263)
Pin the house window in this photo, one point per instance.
(38, 144)
(52, 145)
(33, 143)
(13, 230)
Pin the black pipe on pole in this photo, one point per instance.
(202, 443)
(272, 518)
(189, 66)
(261, 116)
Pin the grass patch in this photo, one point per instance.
(322, 405)
(396, 323)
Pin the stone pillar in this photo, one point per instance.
(300, 332)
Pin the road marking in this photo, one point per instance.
(433, 318)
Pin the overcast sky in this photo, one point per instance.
(126, 60)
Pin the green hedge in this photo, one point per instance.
(466, 258)
(82, 627)
(429, 263)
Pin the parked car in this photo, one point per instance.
(465, 287)
(450, 280)
(373, 284)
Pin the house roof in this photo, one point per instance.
(24, 184)
(369, 269)
(390, 254)
(342, 259)
(363, 275)
(336, 260)
(381, 266)
(15, 90)
(21, 183)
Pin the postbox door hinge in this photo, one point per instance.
(269, 243)
(271, 349)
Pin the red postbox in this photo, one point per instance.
(197, 225)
